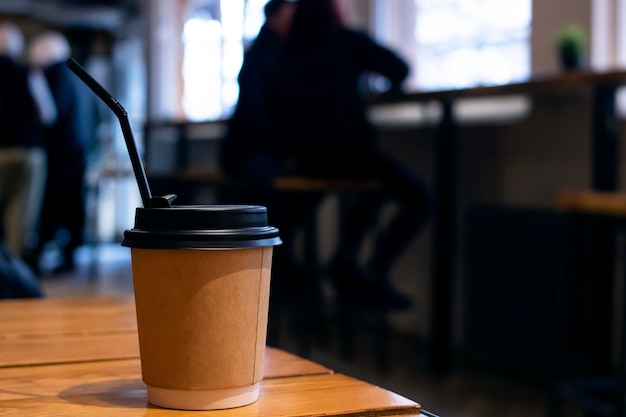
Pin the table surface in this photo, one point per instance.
(80, 356)
(610, 203)
(564, 82)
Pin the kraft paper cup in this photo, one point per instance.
(201, 276)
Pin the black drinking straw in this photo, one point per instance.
(122, 115)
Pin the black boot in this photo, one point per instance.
(360, 288)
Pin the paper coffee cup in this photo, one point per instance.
(201, 277)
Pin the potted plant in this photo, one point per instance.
(571, 44)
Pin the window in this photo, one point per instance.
(472, 42)
(460, 43)
(215, 34)
(449, 43)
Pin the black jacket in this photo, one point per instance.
(251, 124)
(73, 129)
(307, 101)
(321, 103)
(20, 124)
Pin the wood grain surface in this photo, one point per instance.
(77, 357)
(71, 316)
(114, 388)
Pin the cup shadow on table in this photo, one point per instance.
(128, 393)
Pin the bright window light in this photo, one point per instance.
(215, 36)
(464, 43)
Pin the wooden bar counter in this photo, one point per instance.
(601, 87)
(80, 356)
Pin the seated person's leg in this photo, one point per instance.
(286, 211)
(400, 185)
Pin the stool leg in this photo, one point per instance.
(308, 318)
(310, 245)
(620, 373)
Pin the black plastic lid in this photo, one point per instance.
(201, 227)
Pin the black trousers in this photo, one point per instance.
(399, 186)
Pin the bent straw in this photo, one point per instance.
(122, 115)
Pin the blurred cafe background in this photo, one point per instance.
(515, 288)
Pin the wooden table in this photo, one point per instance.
(81, 357)
(600, 394)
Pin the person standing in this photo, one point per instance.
(66, 141)
(250, 147)
(22, 154)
